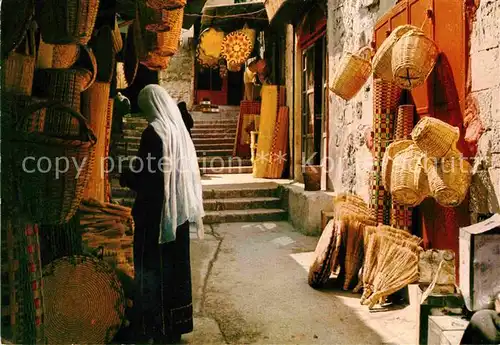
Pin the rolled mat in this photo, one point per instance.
(278, 155)
(268, 116)
(84, 301)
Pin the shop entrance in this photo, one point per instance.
(235, 87)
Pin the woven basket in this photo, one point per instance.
(404, 122)
(312, 177)
(382, 61)
(65, 55)
(409, 184)
(46, 197)
(45, 55)
(352, 73)
(117, 38)
(236, 48)
(102, 46)
(386, 96)
(17, 17)
(68, 21)
(413, 59)
(61, 85)
(87, 64)
(166, 4)
(85, 302)
(18, 69)
(435, 137)
(154, 20)
(449, 179)
(156, 62)
(131, 58)
(391, 152)
(13, 106)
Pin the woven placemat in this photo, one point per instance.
(84, 301)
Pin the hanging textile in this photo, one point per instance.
(249, 110)
(386, 99)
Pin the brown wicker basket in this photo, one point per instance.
(68, 21)
(85, 302)
(45, 196)
(404, 122)
(409, 184)
(352, 73)
(45, 55)
(156, 62)
(154, 20)
(65, 55)
(102, 46)
(166, 4)
(117, 38)
(13, 106)
(449, 178)
(382, 61)
(61, 85)
(435, 137)
(131, 57)
(391, 152)
(386, 96)
(312, 177)
(87, 64)
(413, 59)
(17, 18)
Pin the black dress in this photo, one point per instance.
(163, 302)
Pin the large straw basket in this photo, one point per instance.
(435, 137)
(391, 152)
(65, 55)
(166, 4)
(84, 301)
(87, 64)
(18, 69)
(13, 106)
(68, 21)
(17, 17)
(102, 46)
(62, 85)
(409, 184)
(413, 59)
(449, 179)
(117, 38)
(155, 62)
(352, 73)
(404, 122)
(386, 96)
(131, 58)
(155, 20)
(382, 60)
(46, 196)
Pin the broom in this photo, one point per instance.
(354, 252)
(319, 272)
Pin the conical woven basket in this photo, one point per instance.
(85, 301)
(68, 21)
(352, 73)
(117, 38)
(18, 69)
(382, 61)
(65, 55)
(391, 152)
(409, 184)
(413, 59)
(154, 20)
(166, 4)
(449, 179)
(386, 96)
(435, 137)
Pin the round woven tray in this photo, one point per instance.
(236, 48)
(84, 301)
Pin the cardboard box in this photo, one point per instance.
(480, 263)
(439, 326)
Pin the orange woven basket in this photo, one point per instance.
(166, 4)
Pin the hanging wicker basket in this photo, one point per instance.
(352, 73)
(17, 18)
(236, 48)
(102, 46)
(45, 196)
(156, 62)
(391, 152)
(409, 184)
(18, 69)
(413, 59)
(65, 55)
(131, 58)
(382, 60)
(449, 179)
(61, 85)
(166, 4)
(117, 38)
(386, 96)
(404, 122)
(154, 20)
(84, 301)
(435, 137)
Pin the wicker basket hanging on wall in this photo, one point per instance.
(154, 20)
(84, 301)
(16, 20)
(47, 198)
(131, 57)
(68, 21)
(166, 4)
(435, 137)
(156, 62)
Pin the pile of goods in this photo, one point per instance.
(98, 217)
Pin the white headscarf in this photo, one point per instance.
(183, 192)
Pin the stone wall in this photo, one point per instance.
(178, 78)
(350, 27)
(484, 101)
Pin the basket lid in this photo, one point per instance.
(84, 301)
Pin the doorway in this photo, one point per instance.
(235, 87)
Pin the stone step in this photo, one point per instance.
(245, 216)
(227, 170)
(215, 146)
(245, 191)
(241, 203)
(214, 152)
(212, 141)
(228, 162)
(200, 133)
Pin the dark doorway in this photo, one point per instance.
(235, 87)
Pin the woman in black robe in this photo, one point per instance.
(168, 199)
(186, 116)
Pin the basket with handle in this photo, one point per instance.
(352, 73)
(382, 60)
(413, 59)
(435, 137)
(449, 178)
(409, 184)
(46, 197)
(166, 4)
(391, 152)
(68, 21)
(18, 69)
(65, 55)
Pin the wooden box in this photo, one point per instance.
(480, 263)
(445, 330)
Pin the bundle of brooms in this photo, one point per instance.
(97, 217)
(390, 263)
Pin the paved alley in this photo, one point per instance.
(250, 286)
